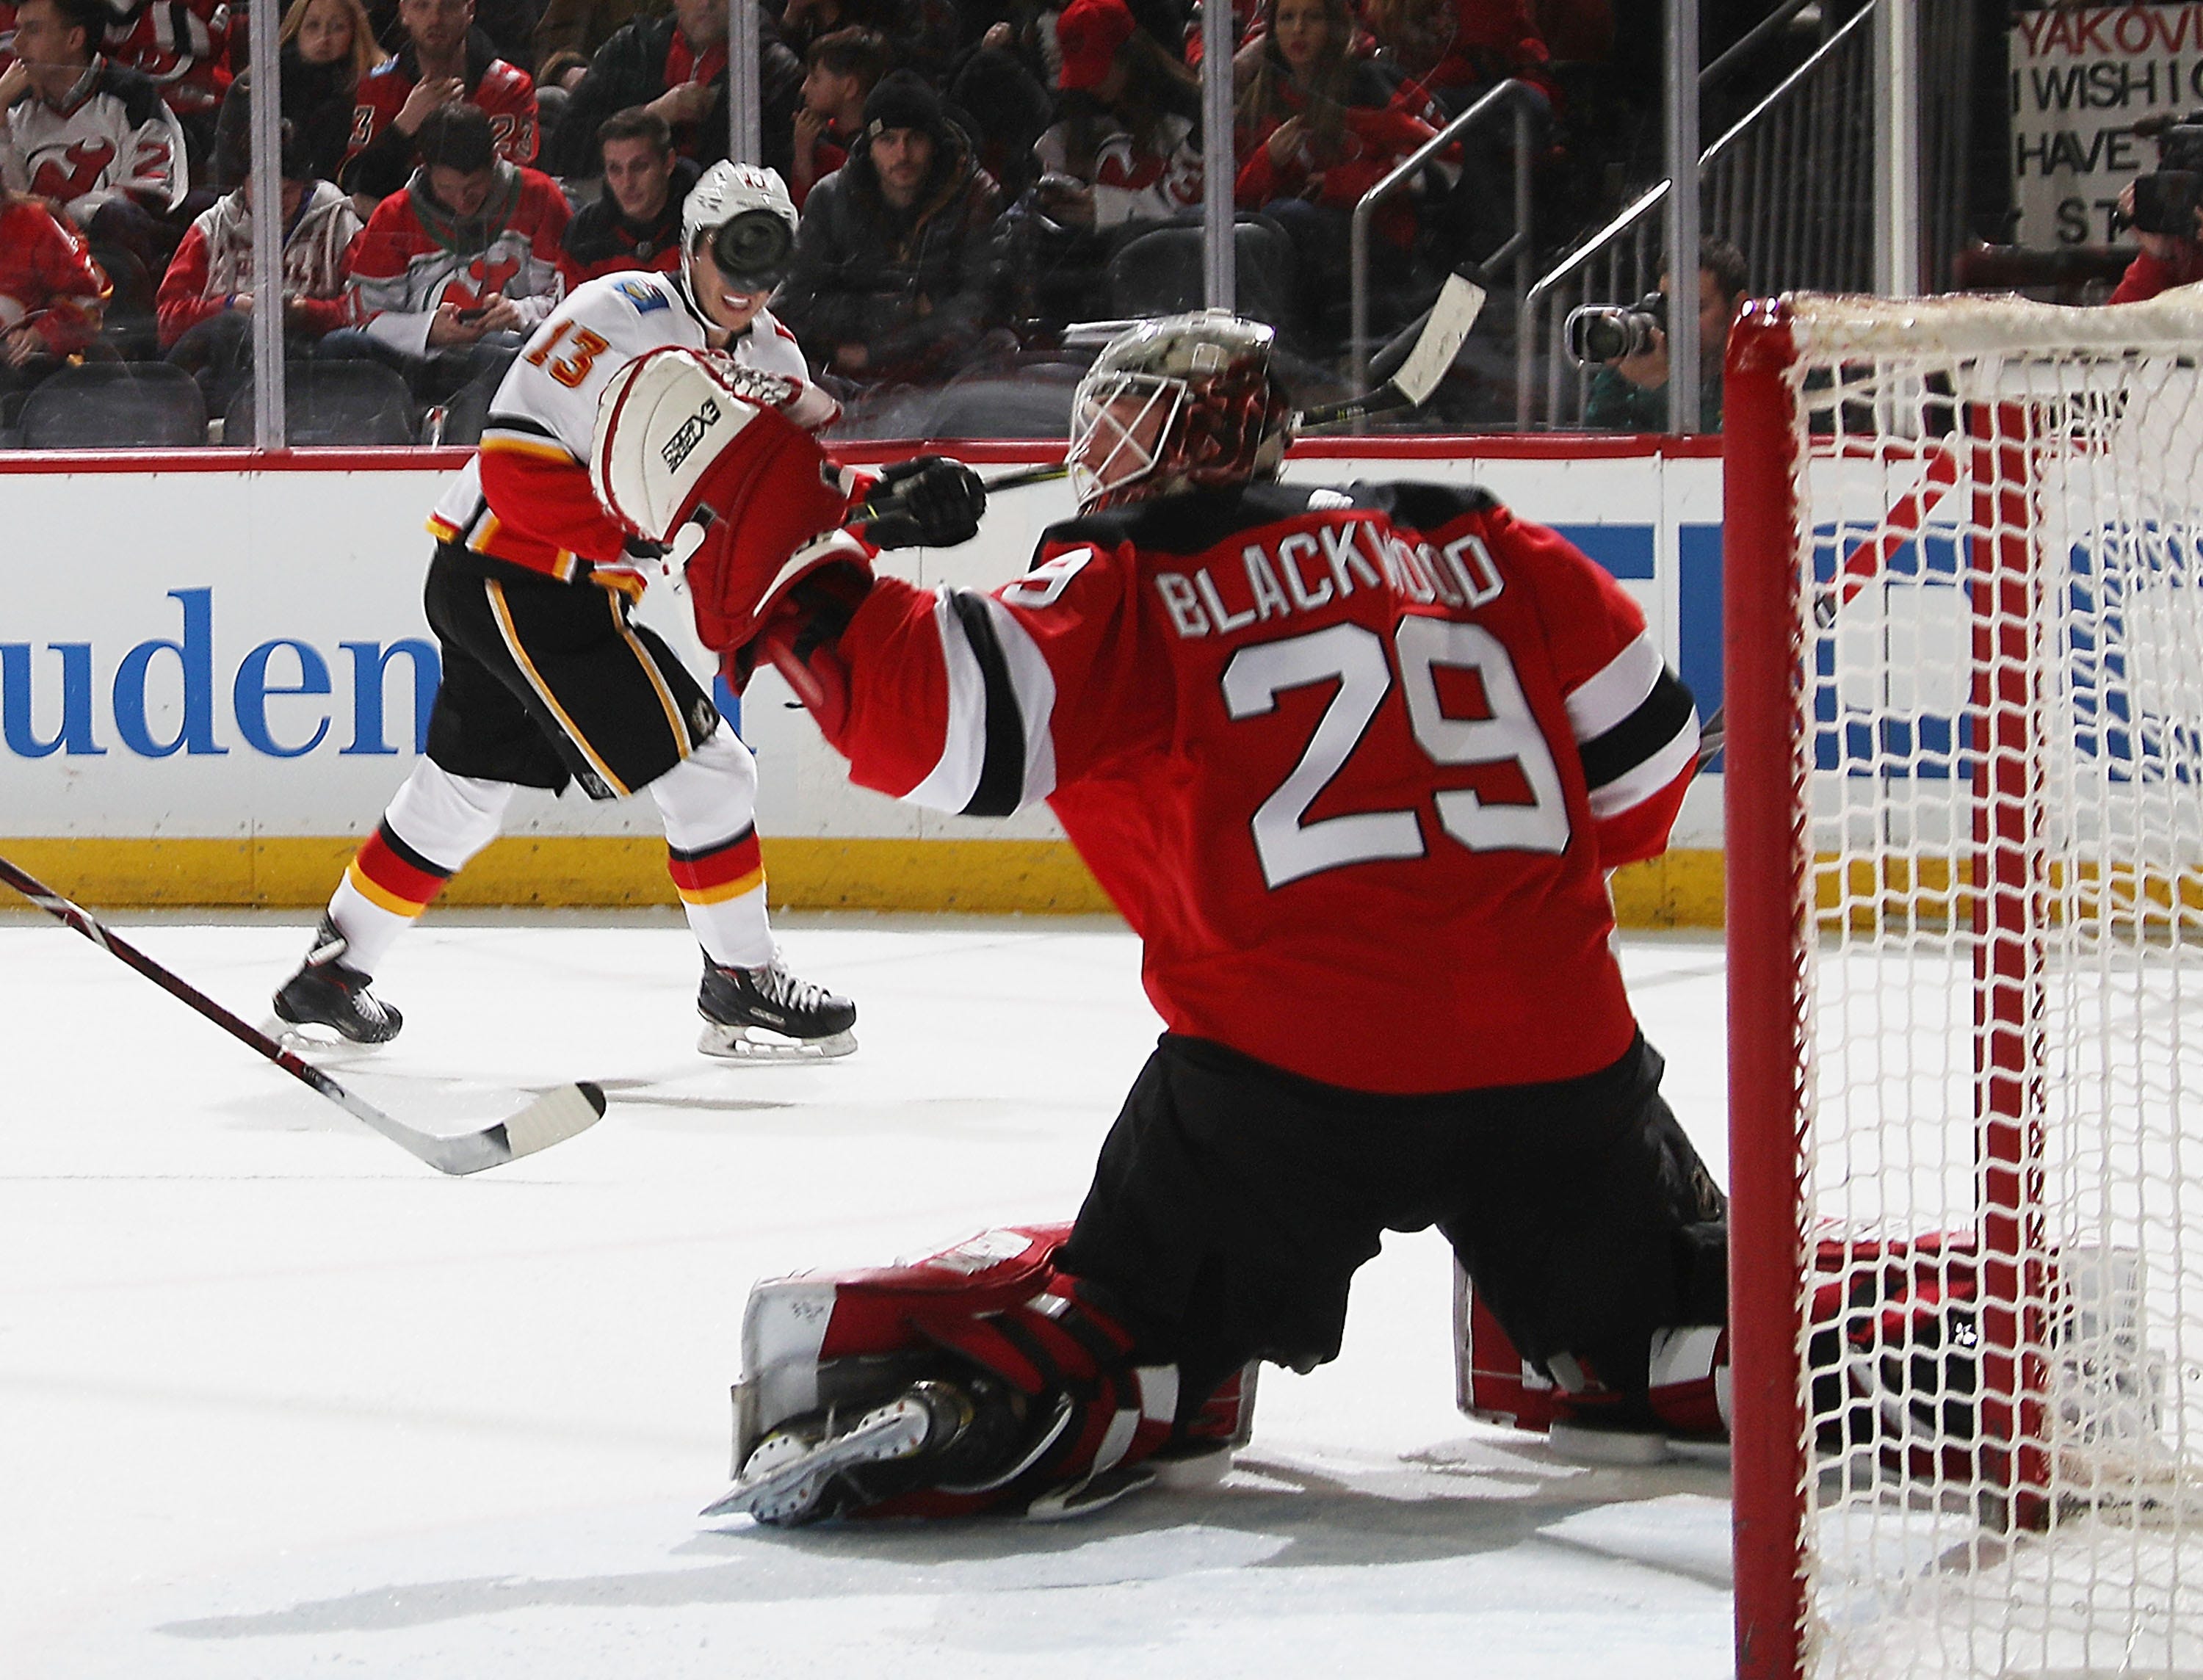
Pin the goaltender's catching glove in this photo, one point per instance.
(928, 501)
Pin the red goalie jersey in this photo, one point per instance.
(1352, 764)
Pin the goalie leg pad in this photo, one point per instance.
(993, 1317)
(1687, 1396)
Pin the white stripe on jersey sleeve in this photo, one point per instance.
(1034, 683)
(949, 785)
(954, 778)
(1618, 688)
(1652, 774)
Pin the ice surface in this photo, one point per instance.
(277, 1400)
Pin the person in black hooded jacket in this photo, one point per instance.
(898, 275)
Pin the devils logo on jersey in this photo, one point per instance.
(487, 281)
(66, 174)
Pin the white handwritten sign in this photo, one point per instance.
(2080, 78)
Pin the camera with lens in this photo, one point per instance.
(1598, 333)
(2165, 200)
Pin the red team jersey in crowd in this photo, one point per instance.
(112, 137)
(181, 46)
(48, 278)
(1352, 764)
(504, 91)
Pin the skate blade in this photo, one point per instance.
(756, 1044)
(787, 1484)
(317, 1042)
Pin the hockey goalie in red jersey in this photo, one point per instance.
(1354, 763)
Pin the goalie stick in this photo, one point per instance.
(551, 1117)
(1437, 340)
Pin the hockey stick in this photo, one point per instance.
(1437, 339)
(553, 1118)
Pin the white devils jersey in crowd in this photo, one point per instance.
(525, 497)
(409, 259)
(112, 137)
(1129, 184)
(1352, 762)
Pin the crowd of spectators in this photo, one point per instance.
(968, 171)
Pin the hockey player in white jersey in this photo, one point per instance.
(545, 679)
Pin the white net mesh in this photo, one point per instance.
(2001, 644)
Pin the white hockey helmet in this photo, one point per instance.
(744, 212)
(1180, 401)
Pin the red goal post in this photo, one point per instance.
(1964, 795)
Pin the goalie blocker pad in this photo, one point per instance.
(846, 1340)
(681, 437)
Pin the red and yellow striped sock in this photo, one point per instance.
(721, 888)
(383, 893)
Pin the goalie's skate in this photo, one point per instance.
(800, 1473)
(768, 1014)
(324, 992)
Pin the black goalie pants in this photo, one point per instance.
(1233, 1202)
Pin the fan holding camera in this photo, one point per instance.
(1629, 345)
(2166, 210)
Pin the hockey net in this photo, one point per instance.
(1963, 548)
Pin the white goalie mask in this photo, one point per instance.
(1181, 401)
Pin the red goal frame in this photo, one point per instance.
(1771, 922)
(1767, 863)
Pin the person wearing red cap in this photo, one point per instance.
(1128, 146)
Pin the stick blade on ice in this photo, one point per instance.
(553, 1118)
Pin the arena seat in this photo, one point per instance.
(1161, 272)
(333, 405)
(461, 420)
(128, 322)
(1030, 401)
(115, 405)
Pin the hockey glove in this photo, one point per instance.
(801, 626)
(926, 502)
(797, 400)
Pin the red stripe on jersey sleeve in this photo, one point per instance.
(547, 497)
(897, 720)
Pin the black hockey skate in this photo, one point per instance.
(768, 1014)
(324, 992)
